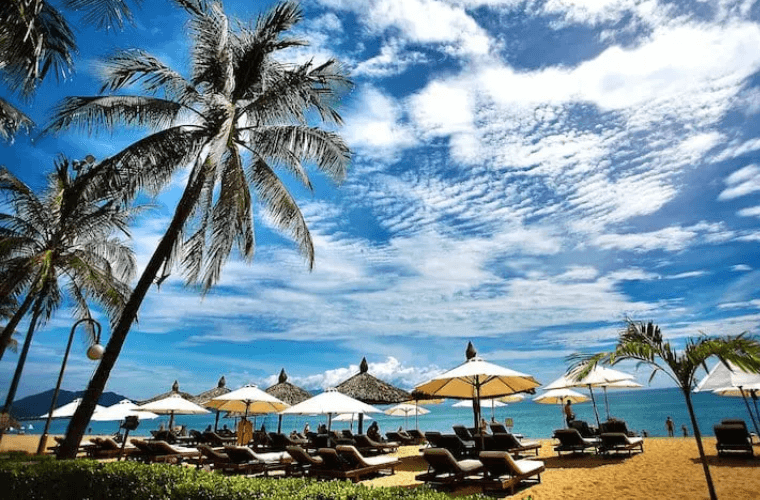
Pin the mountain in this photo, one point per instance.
(39, 404)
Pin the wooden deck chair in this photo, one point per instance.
(733, 438)
(368, 445)
(501, 471)
(570, 440)
(252, 462)
(444, 469)
(303, 463)
(508, 442)
(400, 438)
(619, 441)
(165, 452)
(366, 465)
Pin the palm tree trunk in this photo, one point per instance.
(5, 337)
(698, 437)
(81, 419)
(21, 361)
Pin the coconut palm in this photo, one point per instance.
(35, 38)
(59, 244)
(241, 115)
(644, 343)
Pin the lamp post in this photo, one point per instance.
(94, 352)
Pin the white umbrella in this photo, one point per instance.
(331, 402)
(248, 399)
(475, 379)
(406, 409)
(559, 397)
(171, 405)
(492, 402)
(121, 410)
(600, 376)
(350, 417)
(67, 410)
(722, 378)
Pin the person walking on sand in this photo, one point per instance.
(569, 415)
(685, 430)
(670, 426)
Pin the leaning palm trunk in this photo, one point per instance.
(84, 411)
(700, 447)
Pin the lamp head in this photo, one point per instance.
(95, 352)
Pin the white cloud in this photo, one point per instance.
(393, 59)
(750, 211)
(741, 268)
(744, 181)
(375, 126)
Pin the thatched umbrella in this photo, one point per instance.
(371, 390)
(287, 392)
(206, 396)
(175, 390)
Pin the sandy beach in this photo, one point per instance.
(668, 469)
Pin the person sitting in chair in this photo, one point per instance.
(373, 432)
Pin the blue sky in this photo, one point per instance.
(526, 174)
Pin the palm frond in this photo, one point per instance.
(89, 113)
(12, 120)
(105, 14)
(212, 59)
(280, 205)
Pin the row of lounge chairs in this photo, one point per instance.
(571, 441)
(492, 470)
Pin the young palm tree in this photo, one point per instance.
(62, 239)
(241, 115)
(35, 38)
(644, 343)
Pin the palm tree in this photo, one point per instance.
(240, 115)
(35, 38)
(62, 239)
(644, 343)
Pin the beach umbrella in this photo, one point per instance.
(406, 409)
(623, 384)
(121, 410)
(174, 391)
(723, 377)
(206, 396)
(600, 376)
(475, 379)
(67, 410)
(371, 390)
(331, 402)
(492, 402)
(512, 398)
(248, 399)
(173, 405)
(287, 393)
(559, 397)
(350, 417)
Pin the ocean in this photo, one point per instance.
(642, 409)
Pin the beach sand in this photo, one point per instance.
(669, 468)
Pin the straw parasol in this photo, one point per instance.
(204, 397)
(600, 376)
(331, 402)
(475, 379)
(171, 405)
(560, 396)
(406, 409)
(175, 390)
(286, 392)
(371, 390)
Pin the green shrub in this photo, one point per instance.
(26, 477)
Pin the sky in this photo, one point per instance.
(525, 175)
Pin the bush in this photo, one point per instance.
(25, 477)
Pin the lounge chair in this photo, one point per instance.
(584, 429)
(336, 466)
(571, 440)
(615, 425)
(732, 438)
(106, 447)
(619, 441)
(420, 437)
(367, 445)
(498, 428)
(165, 452)
(444, 469)
(281, 441)
(399, 438)
(738, 421)
(217, 440)
(501, 471)
(252, 462)
(214, 459)
(433, 439)
(458, 448)
(508, 442)
(465, 435)
(356, 460)
(303, 463)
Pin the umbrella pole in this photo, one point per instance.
(596, 412)
(754, 400)
(279, 424)
(361, 422)
(329, 421)
(754, 422)
(606, 403)
(171, 421)
(216, 420)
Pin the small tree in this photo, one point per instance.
(644, 343)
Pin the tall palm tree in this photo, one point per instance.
(644, 343)
(60, 244)
(35, 37)
(241, 115)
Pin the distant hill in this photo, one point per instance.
(39, 404)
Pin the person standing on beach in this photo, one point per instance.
(670, 426)
(569, 415)
(685, 430)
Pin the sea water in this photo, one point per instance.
(642, 409)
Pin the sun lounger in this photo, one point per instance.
(367, 445)
(399, 438)
(458, 448)
(356, 460)
(584, 429)
(619, 441)
(420, 437)
(280, 441)
(501, 471)
(336, 466)
(165, 452)
(465, 435)
(571, 440)
(737, 421)
(444, 469)
(732, 438)
(106, 447)
(615, 425)
(303, 463)
(498, 428)
(253, 462)
(214, 459)
(217, 440)
(508, 442)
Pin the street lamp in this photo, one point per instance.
(94, 352)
